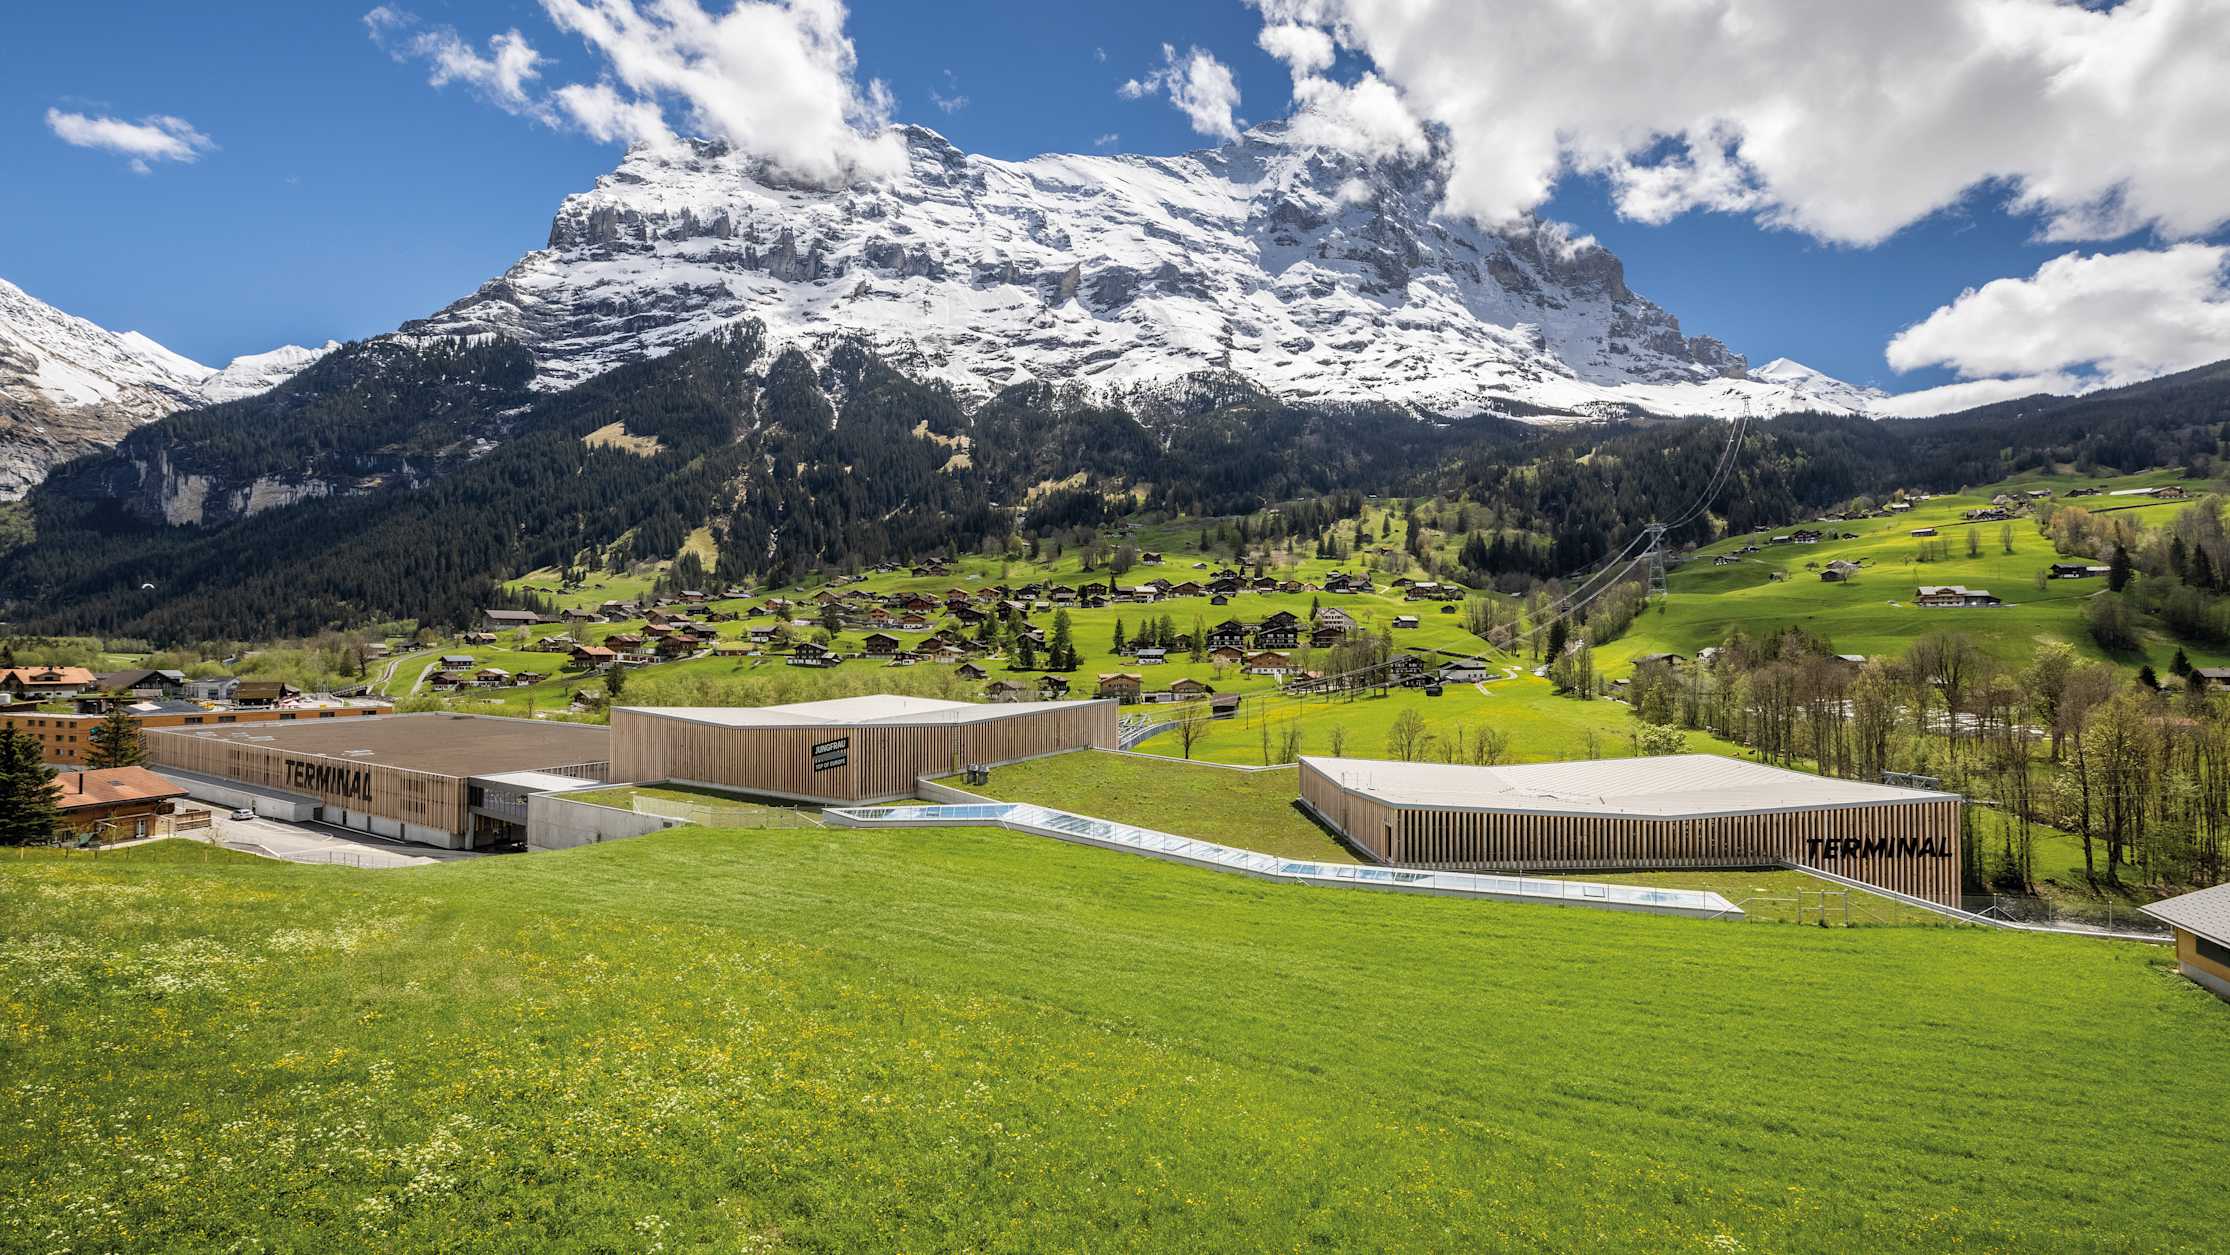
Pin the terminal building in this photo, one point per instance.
(455, 781)
(1681, 811)
(848, 751)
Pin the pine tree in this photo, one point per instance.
(2181, 663)
(1063, 649)
(115, 742)
(2117, 571)
(1120, 641)
(28, 815)
(1025, 654)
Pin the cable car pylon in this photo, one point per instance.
(1656, 556)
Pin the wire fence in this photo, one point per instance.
(2065, 915)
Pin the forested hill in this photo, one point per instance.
(400, 481)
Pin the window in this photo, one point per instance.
(2213, 951)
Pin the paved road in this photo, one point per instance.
(323, 843)
(388, 674)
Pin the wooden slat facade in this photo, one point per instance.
(1910, 847)
(426, 798)
(880, 761)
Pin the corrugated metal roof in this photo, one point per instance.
(1673, 786)
(2206, 913)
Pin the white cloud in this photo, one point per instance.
(149, 140)
(1845, 121)
(1954, 397)
(504, 77)
(2105, 319)
(1304, 49)
(1108, 140)
(604, 114)
(1202, 88)
(773, 78)
(951, 100)
(1367, 118)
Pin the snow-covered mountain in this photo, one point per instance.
(68, 386)
(252, 373)
(1309, 272)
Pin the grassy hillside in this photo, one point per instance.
(1542, 726)
(838, 1040)
(1874, 613)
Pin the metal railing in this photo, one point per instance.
(1108, 834)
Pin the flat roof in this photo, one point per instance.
(536, 781)
(880, 708)
(1678, 785)
(446, 744)
(2206, 913)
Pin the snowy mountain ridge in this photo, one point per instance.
(68, 385)
(1315, 275)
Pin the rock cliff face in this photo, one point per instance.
(69, 387)
(1312, 274)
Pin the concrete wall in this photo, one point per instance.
(230, 797)
(554, 823)
(929, 790)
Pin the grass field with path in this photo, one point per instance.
(839, 1040)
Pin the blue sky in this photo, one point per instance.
(343, 194)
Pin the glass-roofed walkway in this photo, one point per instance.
(1107, 834)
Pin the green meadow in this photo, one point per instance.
(1541, 726)
(1873, 613)
(823, 1039)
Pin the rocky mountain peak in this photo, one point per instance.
(1312, 273)
(69, 386)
